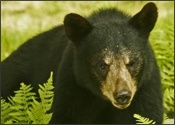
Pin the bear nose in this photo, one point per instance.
(122, 97)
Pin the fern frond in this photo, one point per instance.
(46, 94)
(5, 110)
(169, 102)
(21, 103)
(37, 114)
(38, 111)
(142, 120)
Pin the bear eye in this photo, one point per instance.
(132, 66)
(102, 69)
(103, 66)
(131, 63)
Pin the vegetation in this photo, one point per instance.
(21, 20)
(24, 108)
(142, 120)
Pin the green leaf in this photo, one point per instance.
(143, 120)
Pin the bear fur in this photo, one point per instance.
(104, 69)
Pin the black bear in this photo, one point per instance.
(104, 70)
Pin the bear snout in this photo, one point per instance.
(122, 97)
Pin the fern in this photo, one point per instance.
(38, 111)
(24, 109)
(169, 102)
(46, 94)
(142, 120)
(5, 109)
(21, 103)
(163, 45)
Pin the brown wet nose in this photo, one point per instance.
(122, 97)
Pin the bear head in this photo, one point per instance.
(110, 57)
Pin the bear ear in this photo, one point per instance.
(76, 27)
(145, 20)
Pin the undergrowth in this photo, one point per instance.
(24, 108)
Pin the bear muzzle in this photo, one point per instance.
(122, 99)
